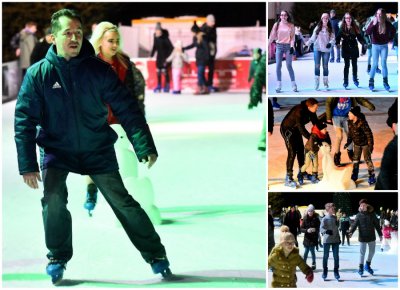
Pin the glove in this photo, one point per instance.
(347, 145)
(328, 45)
(310, 276)
(291, 50)
(329, 232)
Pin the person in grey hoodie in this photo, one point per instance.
(366, 222)
(330, 234)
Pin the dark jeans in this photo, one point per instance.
(58, 223)
(211, 68)
(347, 67)
(201, 79)
(335, 251)
(306, 251)
(294, 145)
(345, 235)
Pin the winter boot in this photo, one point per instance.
(294, 87)
(355, 80)
(314, 266)
(326, 85)
(345, 83)
(325, 273)
(378, 70)
(91, 198)
(336, 158)
(371, 84)
(354, 174)
(360, 269)
(316, 85)
(336, 274)
(350, 153)
(278, 87)
(367, 268)
(290, 182)
(157, 89)
(166, 88)
(385, 84)
(371, 178)
(55, 268)
(369, 68)
(161, 265)
(314, 178)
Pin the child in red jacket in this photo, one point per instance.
(386, 232)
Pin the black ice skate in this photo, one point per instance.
(55, 268)
(336, 274)
(361, 270)
(161, 265)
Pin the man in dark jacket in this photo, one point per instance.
(335, 27)
(163, 46)
(366, 222)
(210, 31)
(293, 130)
(292, 220)
(61, 107)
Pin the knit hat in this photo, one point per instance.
(356, 111)
(387, 223)
(321, 126)
(178, 43)
(210, 18)
(195, 28)
(363, 201)
(310, 208)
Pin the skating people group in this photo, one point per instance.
(344, 113)
(329, 34)
(324, 231)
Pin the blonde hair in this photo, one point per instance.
(97, 37)
(285, 234)
(287, 237)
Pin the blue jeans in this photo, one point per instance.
(312, 250)
(201, 78)
(335, 251)
(280, 50)
(332, 53)
(58, 222)
(369, 53)
(382, 51)
(317, 60)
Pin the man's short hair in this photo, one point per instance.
(55, 23)
(329, 205)
(311, 102)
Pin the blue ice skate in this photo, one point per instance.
(290, 182)
(55, 268)
(157, 89)
(325, 274)
(166, 88)
(371, 85)
(161, 265)
(356, 82)
(336, 274)
(91, 198)
(371, 179)
(360, 270)
(368, 268)
(386, 84)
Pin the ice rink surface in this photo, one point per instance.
(209, 184)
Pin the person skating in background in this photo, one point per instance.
(319, 134)
(310, 228)
(202, 58)
(41, 47)
(163, 47)
(386, 235)
(367, 223)
(71, 81)
(210, 31)
(284, 259)
(299, 41)
(292, 220)
(323, 38)
(178, 58)
(337, 111)
(259, 82)
(360, 134)
(257, 53)
(348, 35)
(27, 41)
(382, 32)
(335, 27)
(293, 130)
(344, 226)
(283, 34)
(331, 238)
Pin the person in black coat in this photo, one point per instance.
(310, 228)
(210, 32)
(163, 46)
(335, 26)
(292, 220)
(293, 130)
(41, 47)
(348, 35)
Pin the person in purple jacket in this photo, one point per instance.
(382, 32)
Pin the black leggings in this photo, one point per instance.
(347, 67)
(294, 145)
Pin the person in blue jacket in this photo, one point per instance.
(62, 107)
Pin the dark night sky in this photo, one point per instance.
(376, 199)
